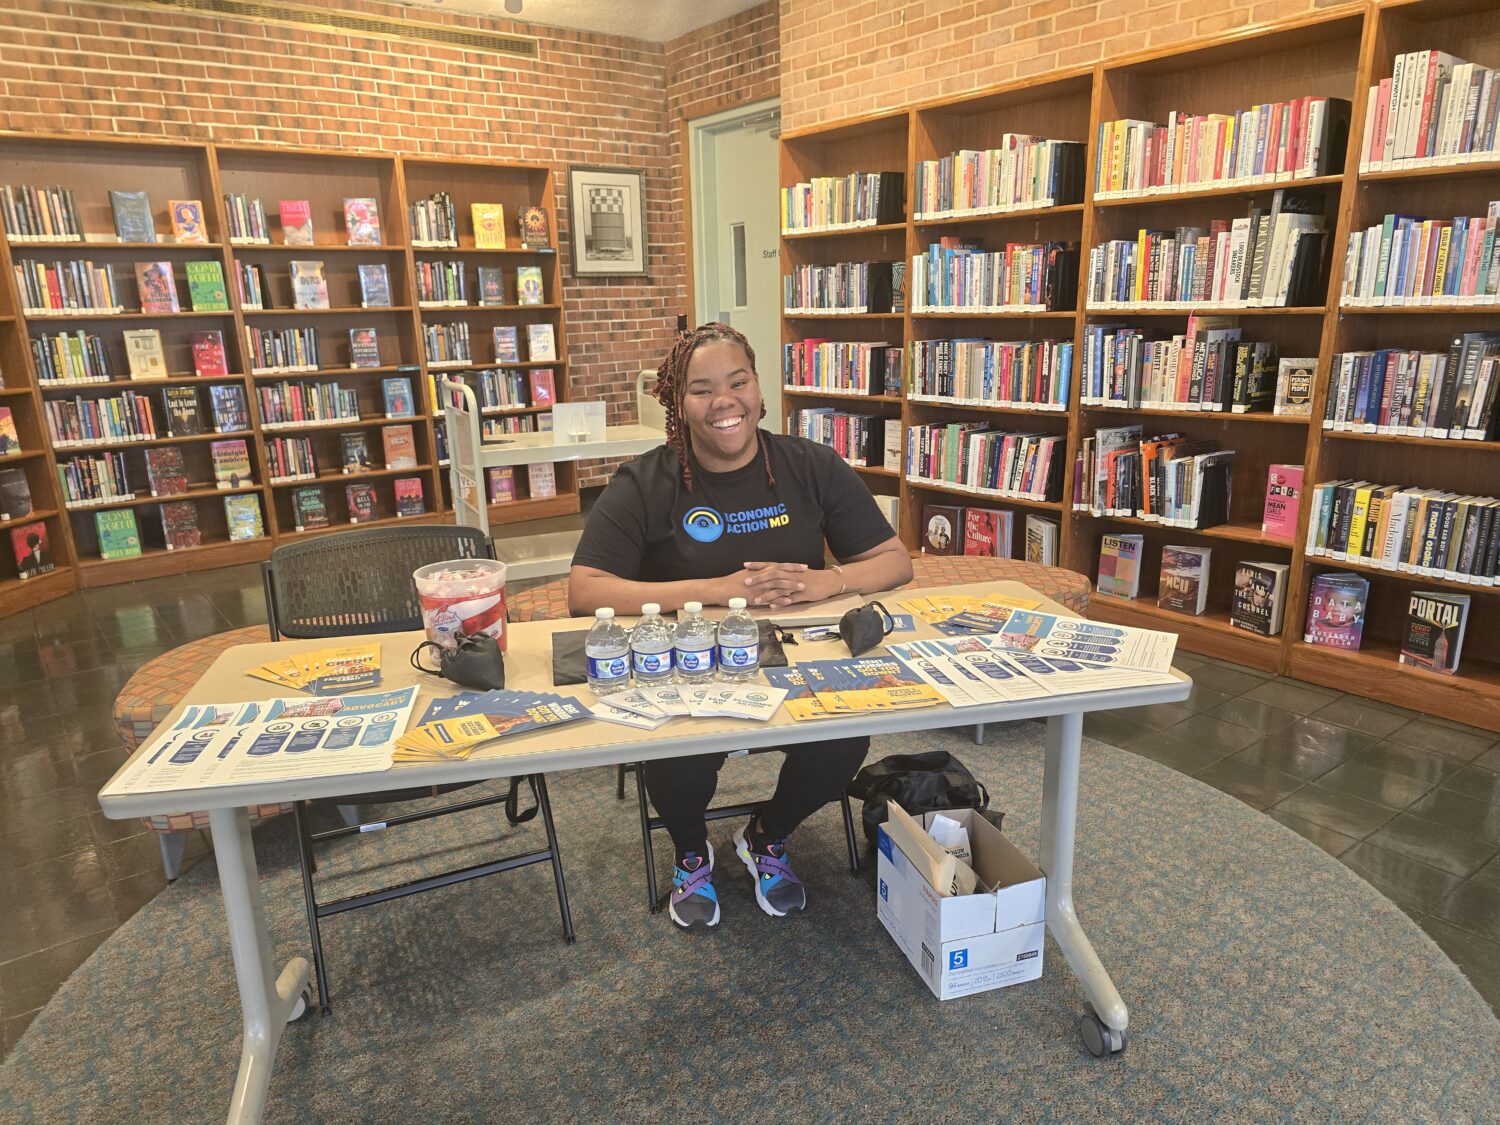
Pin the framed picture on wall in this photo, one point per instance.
(608, 221)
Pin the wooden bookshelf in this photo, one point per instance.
(1336, 52)
(91, 165)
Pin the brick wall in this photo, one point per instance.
(587, 98)
(846, 58)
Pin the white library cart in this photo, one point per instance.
(544, 553)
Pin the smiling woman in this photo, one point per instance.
(727, 510)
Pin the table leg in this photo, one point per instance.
(1059, 819)
(266, 1004)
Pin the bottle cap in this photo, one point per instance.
(650, 607)
(604, 613)
(737, 603)
(692, 607)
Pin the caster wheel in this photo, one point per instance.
(1101, 1040)
(303, 1006)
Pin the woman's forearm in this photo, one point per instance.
(590, 589)
(885, 568)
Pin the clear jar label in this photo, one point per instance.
(739, 656)
(695, 659)
(608, 667)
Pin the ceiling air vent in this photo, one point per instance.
(297, 15)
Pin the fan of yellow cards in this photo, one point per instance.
(325, 671)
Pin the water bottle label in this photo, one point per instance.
(739, 656)
(695, 660)
(653, 663)
(608, 667)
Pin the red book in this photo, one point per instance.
(32, 552)
(1283, 501)
(987, 533)
(543, 386)
(209, 357)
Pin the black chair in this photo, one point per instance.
(360, 581)
(650, 824)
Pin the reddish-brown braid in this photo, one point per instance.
(671, 385)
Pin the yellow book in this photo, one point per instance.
(1142, 263)
(1357, 518)
(1444, 240)
(489, 225)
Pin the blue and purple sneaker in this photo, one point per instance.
(695, 903)
(777, 888)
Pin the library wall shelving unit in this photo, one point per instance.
(877, 144)
(1469, 30)
(1337, 53)
(20, 396)
(90, 167)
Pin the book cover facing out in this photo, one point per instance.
(1184, 579)
(942, 529)
(1434, 634)
(1283, 501)
(1336, 610)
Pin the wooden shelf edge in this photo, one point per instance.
(1472, 696)
(161, 563)
(18, 594)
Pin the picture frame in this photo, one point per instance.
(608, 220)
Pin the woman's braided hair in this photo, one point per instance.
(671, 385)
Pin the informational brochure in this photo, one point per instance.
(967, 672)
(325, 671)
(752, 702)
(1093, 642)
(609, 713)
(453, 728)
(704, 702)
(667, 698)
(1069, 677)
(272, 740)
(800, 701)
(868, 683)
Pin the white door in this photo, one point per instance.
(736, 242)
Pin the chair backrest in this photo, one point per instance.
(359, 581)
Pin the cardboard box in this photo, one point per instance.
(972, 943)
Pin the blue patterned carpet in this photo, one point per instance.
(1266, 983)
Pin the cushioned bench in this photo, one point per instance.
(550, 601)
(149, 696)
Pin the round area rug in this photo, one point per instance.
(1265, 983)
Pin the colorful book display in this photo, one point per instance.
(941, 529)
(31, 549)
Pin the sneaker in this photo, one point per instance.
(777, 888)
(694, 903)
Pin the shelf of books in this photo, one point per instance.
(1158, 311)
(844, 208)
(208, 349)
(487, 280)
(36, 563)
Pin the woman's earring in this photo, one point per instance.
(762, 410)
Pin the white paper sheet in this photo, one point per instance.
(274, 739)
(1092, 642)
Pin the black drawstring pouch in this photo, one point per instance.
(568, 664)
(476, 662)
(865, 626)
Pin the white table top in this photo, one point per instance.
(586, 742)
(532, 449)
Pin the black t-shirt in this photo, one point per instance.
(647, 527)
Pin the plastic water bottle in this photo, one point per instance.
(606, 652)
(693, 646)
(651, 648)
(739, 643)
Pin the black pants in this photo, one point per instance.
(811, 776)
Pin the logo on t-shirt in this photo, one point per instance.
(707, 524)
(703, 524)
